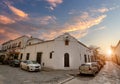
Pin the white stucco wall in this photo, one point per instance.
(22, 39)
(75, 50)
(45, 48)
(33, 41)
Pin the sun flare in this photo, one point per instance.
(109, 52)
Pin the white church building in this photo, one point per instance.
(64, 52)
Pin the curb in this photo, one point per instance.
(66, 80)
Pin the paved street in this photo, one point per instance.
(110, 74)
(12, 75)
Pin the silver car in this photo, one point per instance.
(30, 65)
(97, 64)
(88, 68)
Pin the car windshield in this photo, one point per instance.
(87, 64)
(31, 62)
(34, 62)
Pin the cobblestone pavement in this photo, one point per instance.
(13, 75)
(109, 74)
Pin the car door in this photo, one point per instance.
(95, 68)
(24, 65)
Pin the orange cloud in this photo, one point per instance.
(45, 20)
(2, 31)
(77, 26)
(100, 10)
(54, 3)
(79, 34)
(8, 34)
(6, 20)
(17, 11)
(50, 35)
(83, 25)
(103, 10)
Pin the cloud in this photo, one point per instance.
(83, 22)
(71, 12)
(2, 31)
(8, 34)
(54, 3)
(100, 10)
(17, 11)
(44, 20)
(103, 10)
(79, 34)
(49, 35)
(113, 8)
(6, 20)
(101, 28)
(77, 26)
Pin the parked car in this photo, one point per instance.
(30, 65)
(88, 68)
(14, 62)
(2, 57)
(99, 66)
(100, 62)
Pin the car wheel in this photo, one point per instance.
(13, 65)
(80, 73)
(39, 70)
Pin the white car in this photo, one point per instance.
(30, 65)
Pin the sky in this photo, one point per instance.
(92, 22)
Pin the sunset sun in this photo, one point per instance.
(109, 52)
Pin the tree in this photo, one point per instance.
(95, 50)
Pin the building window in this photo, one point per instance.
(27, 56)
(89, 58)
(66, 42)
(51, 53)
(16, 56)
(85, 58)
(29, 43)
(21, 56)
(39, 57)
(19, 45)
(10, 47)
